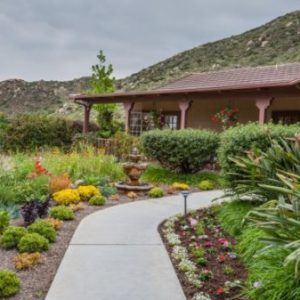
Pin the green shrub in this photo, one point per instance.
(4, 220)
(206, 185)
(33, 242)
(185, 151)
(156, 192)
(43, 228)
(97, 200)
(27, 132)
(249, 243)
(231, 215)
(9, 283)
(158, 174)
(237, 140)
(259, 170)
(108, 191)
(275, 281)
(62, 212)
(12, 236)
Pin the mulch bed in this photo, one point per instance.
(213, 250)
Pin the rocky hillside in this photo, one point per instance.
(276, 42)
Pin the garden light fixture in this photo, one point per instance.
(185, 194)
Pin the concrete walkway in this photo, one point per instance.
(117, 254)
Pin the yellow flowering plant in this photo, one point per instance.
(66, 197)
(180, 186)
(86, 192)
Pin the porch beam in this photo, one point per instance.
(128, 106)
(184, 106)
(263, 103)
(86, 122)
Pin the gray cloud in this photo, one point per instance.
(57, 39)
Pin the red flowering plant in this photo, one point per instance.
(39, 169)
(221, 258)
(227, 117)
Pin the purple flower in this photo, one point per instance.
(257, 284)
(232, 255)
(193, 222)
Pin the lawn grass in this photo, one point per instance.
(158, 174)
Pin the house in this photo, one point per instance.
(260, 94)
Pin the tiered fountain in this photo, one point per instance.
(134, 169)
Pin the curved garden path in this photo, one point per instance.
(117, 253)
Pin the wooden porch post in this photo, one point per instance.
(86, 122)
(184, 106)
(128, 106)
(262, 104)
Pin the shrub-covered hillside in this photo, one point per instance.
(276, 42)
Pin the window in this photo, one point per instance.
(286, 116)
(143, 121)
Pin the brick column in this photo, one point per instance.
(86, 122)
(262, 104)
(184, 106)
(128, 106)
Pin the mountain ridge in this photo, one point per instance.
(276, 42)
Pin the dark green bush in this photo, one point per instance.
(62, 212)
(27, 132)
(33, 242)
(185, 151)
(9, 284)
(43, 228)
(97, 200)
(237, 140)
(4, 220)
(12, 236)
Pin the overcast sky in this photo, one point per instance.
(59, 39)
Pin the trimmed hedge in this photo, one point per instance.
(185, 151)
(31, 131)
(235, 141)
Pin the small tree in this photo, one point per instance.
(102, 82)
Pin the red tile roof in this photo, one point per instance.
(242, 78)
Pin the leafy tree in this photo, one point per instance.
(102, 82)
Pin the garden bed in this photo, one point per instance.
(203, 256)
(36, 281)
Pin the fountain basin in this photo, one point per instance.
(127, 187)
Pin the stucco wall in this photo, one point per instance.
(204, 106)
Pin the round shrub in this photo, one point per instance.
(66, 197)
(12, 236)
(185, 150)
(235, 141)
(62, 213)
(156, 192)
(27, 260)
(97, 200)
(86, 192)
(206, 185)
(9, 283)
(4, 220)
(33, 242)
(180, 186)
(43, 228)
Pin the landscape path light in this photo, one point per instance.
(185, 194)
